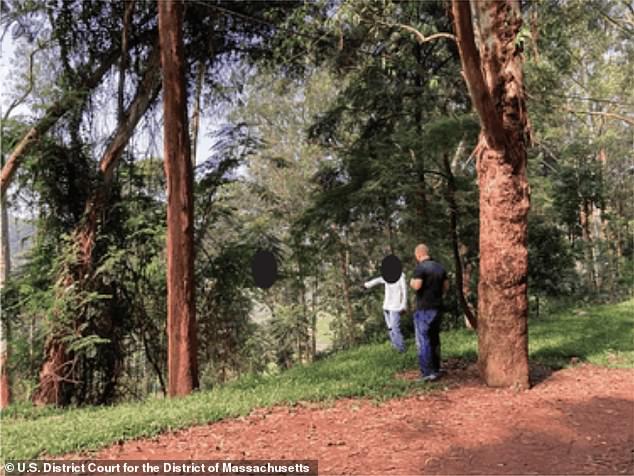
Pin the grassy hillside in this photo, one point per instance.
(602, 335)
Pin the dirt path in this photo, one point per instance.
(575, 421)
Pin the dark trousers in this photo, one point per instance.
(427, 327)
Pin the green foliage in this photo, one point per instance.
(289, 328)
(577, 187)
(550, 259)
(577, 74)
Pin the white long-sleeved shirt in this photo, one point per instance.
(395, 293)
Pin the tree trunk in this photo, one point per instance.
(5, 269)
(313, 322)
(345, 282)
(419, 82)
(303, 300)
(585, 217)
(200, 76)
(453, 220)
(181, 309)
(495, 80)
(53, 374)
(123, 61)
(598, 239)
(467, 269)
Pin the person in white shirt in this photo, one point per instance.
(394, 303)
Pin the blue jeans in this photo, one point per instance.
(393, 322)
(427, 327)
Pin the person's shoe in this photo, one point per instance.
(429, 378)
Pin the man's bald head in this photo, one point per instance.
(421, 252)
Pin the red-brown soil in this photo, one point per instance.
(575, 421)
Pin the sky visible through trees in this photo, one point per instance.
(209, 122)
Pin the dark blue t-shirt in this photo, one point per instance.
(429, 296)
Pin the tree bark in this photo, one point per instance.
(495, 81)
(53, 373)
(181, 310)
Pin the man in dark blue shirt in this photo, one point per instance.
(430, 283)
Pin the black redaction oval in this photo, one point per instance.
(264, 269)
(391, 268)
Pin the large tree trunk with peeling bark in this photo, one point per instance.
(493, 73)
(181, 311)
(56, 359)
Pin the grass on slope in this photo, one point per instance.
(601, 335)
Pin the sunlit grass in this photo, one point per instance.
(602, 335)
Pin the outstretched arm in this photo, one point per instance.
(373, 282)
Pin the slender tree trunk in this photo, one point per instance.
(467, 269)
(495, 80)
(155, 365)
(123, 61)
(585, 217)
(453, 223)
(5, 329)
(598, 238)
(304, 303)
(32, 346)
(419, 81)
(181, 309)
(345, 282)
(537, 306)
(314, 317)
(200, 76)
